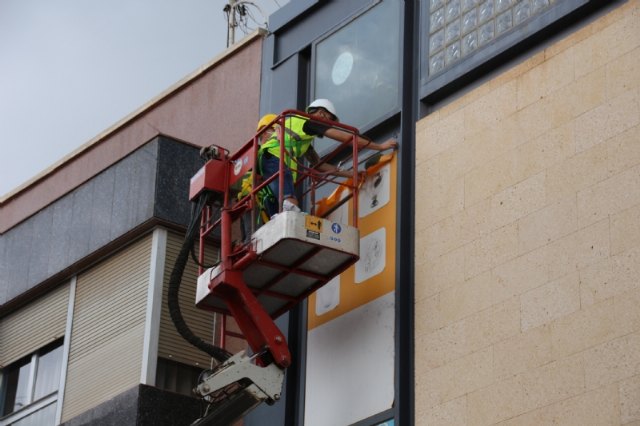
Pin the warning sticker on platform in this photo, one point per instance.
(313, 234)
(313, 223)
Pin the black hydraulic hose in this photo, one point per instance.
(195, 258)
(218, 353)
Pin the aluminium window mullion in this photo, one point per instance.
(31, 384)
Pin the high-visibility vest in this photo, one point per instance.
(296, 143)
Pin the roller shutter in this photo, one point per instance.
(171, 345)
(105, 356)
(34, 326)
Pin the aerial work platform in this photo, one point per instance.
(296, 254)
(276, 265)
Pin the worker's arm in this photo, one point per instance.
(333, 170)
(316, 128)
(362, 141)
(314, 160)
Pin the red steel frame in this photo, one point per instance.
(257, 326)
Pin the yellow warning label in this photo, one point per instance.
(313, 223)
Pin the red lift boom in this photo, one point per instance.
(257, 280)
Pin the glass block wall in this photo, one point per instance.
(457, 28)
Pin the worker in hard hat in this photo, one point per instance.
(247, 180)
(299, 132)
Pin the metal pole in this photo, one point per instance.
(231, 37)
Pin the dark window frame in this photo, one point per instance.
(379, 121)
(33, 404)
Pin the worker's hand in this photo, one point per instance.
(389, 144)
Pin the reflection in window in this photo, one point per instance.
(44, 416)
(15, 387)
(48, 373)
(357, 67)
(28, 383)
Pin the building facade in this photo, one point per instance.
(527, 238)
(502, 278)
(87, 251)
(517, 207)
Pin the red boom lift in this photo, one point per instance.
(257, 280)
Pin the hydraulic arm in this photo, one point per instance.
(266, 274)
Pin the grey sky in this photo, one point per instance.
(70, 69)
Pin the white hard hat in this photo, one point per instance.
(324, 103)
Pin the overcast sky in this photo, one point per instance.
(70, 69)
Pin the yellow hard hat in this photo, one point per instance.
(266, 119)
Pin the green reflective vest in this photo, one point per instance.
(296, 143)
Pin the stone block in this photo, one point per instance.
(625, 229)
(518, 201)
(499, 322)
(521, 161)
(548, 224)
(618, 193)
(441, 346)
(520, 275)
(473, 333)
(519, 394)
(612, 276)
(626, 311)
(489, 179)
(585, 93)
(594, 165)
(486, 111)
(101, 209)
(504, 244)
(427, 121)
(522, 352)
(439, 239)
(455, 379)
(612, 361)
(477, 256)
(583, 329)
(623, 74)
(550, 301)
(607, 120)
(578, 250)
(442, 272)
(630, 400)
(459, 159)
(599, 407)
(534, 120)
(40, 248)
(461, 301)
(552, 147)
(603, 46)
(490, 250)
(439, 135)
(427, 315)
(457, 230)
(484, 88)
(548, 77)
(451, 413)
(438, 200)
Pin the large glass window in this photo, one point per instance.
(29, 388)
(48, 373)
(358, 66)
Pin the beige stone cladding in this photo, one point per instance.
(528, 239)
